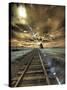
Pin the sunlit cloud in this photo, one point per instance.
(35, 25)
(22, 11)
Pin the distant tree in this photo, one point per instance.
(41, 45)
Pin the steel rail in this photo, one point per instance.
(21, 77)
(22, 74)
(45, 73)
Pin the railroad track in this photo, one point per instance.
(32, 71)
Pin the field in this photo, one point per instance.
(54, 57)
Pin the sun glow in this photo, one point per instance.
(22, 12)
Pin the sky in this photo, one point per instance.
(33, 24)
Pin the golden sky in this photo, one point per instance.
(33, 24)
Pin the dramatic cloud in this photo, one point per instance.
(37, 23)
